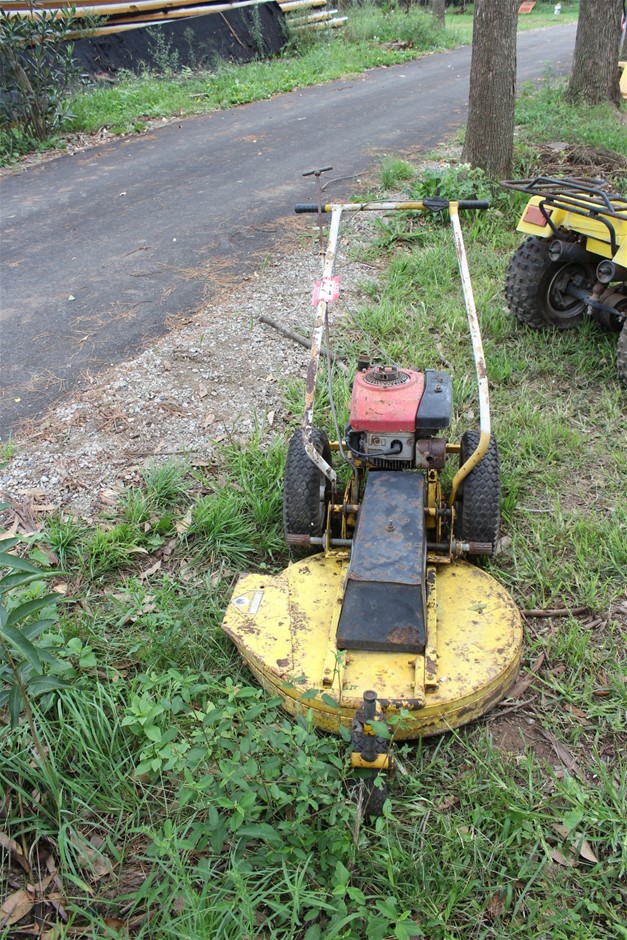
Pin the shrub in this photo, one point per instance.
(37, 71)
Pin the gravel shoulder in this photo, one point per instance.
(215, 377)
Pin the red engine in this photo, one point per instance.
(385, 399)
(383, 413)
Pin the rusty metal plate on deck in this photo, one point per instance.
(384, 602)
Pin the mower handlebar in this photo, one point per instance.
(433, 204)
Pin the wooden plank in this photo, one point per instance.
(312, 18)
(329, 24)
(139, 6)
(300, 4)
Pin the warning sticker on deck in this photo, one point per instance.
(327, 289)
(248, 603)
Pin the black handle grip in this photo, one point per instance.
(308, 207)
(438, 204)
(473, 204)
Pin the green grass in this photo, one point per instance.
(554, 119)
(174, 797)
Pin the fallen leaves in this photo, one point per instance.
(523, 682)
(16, 906)
(562, 752)
(577, 846)
(14, 850)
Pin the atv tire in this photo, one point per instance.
(478, 510)
(535, 287)
(305, 490)
(621, 354)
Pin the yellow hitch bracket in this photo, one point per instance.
(381, 762)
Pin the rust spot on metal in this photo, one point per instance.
(431, 665)
(401, 635)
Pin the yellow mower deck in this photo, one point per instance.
(284, 627)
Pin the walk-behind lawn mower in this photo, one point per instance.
(385, 629)
(574, 262)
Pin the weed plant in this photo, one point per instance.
(174, 798)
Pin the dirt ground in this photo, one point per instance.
(214, 377)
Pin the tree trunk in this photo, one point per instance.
(438, 8)
(595, 76)
(489, 140)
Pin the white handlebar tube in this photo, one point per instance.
(477, 349)
(316, 345)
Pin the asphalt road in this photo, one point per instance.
(102, 250)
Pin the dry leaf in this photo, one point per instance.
(109, 497)
(182, 525)
(186, 572)
(209, 419)
(562, 752)
(11, 846)
(522, 684)
(495, 906)
(98, 864)
(168, 548)
(270, 417)
(9, 533)
(61, 588)
(149, 571)
(579, 715)
(577, 843)
(16, 906)
(447, 803)
(560, 859)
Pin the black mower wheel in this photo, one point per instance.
(621, 354)
(372, 794)
(305, 489)
(535, 287)
(369, 789)
(478, 511)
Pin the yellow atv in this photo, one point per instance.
(574, 262)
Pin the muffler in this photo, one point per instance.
(569, 252)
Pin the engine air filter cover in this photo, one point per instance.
(386, 399)
(385, 375)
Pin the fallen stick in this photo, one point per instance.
(302, 340)
(554, 612)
